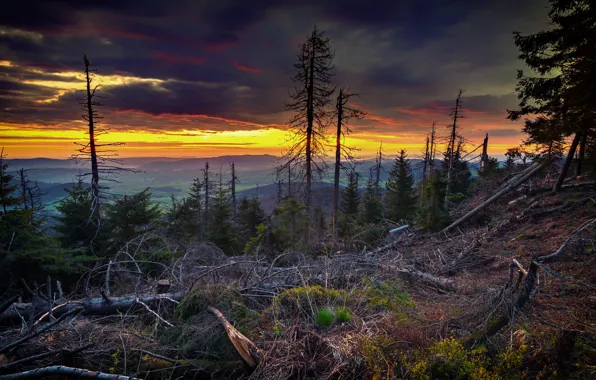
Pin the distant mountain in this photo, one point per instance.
(167, 176)
(38, 163)
(243, 162)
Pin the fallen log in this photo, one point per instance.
(511, 186)
(409, 273)
(8, 302)
(94, 306)
(65, 371)
(245, 347)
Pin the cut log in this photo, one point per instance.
(527, 174)
(245, 347)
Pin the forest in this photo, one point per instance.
(474, 268)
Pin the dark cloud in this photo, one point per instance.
(233, 60)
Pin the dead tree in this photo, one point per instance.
(309, 101)
(567, 163)
(432, 150)
(581, 155)
(23, 183)
(344, 114)
(104, 164)
(484, 156)
(233, 190)
(378, 167)
(456, 113)
(426, 158)
(207, 182)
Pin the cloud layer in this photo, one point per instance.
(225, 66)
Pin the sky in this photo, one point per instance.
(202, 78)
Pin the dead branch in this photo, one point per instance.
(11, 346)
(154, 313)
(44, 355)
(550, 257)
(245, 347)
(65, 371)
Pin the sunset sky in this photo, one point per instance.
(209, 78)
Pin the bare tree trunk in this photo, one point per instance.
(23, 188)
(484, 159)
(582, 152)
(207, 188)
(309, 132)
(431, 161)
(92, 147)
(451, 146)
(289, 181)
(337, 163)
(565, 168)
(234, 193)
(426, 158)
(378, 169)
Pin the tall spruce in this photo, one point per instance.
(350, 196)
(71, 227)
(371, 209)
(399, 197)
(561, 101)
(250, 216)
(220, 230)
(130, 217)
(8, 197)
(309, 100)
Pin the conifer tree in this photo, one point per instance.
(291, 223)
(350, 197)
(399, 197)
(371, 208)
(8, 197)
(130, 217)
(72, 228)
(220, 230)
(26, 250)
(250, 216)
(430, 214)
(561, 102)
(320, 222)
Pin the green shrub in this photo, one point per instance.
(324, 317)
(343, 315)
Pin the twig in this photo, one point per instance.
(152, 312)
(40, 331)
(49, 313)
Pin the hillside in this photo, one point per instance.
(511, 308)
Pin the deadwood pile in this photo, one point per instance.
(206, 315)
